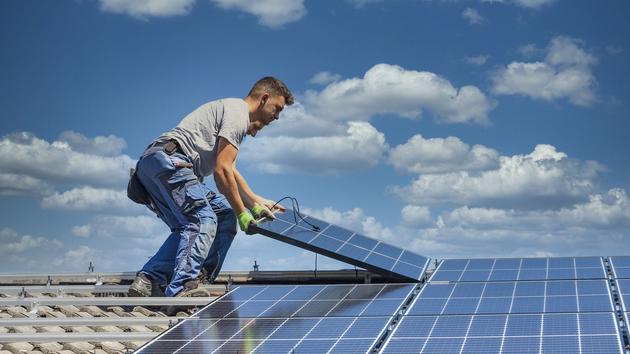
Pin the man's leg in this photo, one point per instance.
(226, 231)
(181, 198)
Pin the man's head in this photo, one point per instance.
(266, 100)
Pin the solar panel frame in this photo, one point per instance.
(346, 246)
(519, 269)
(260, 330)
(519, 332)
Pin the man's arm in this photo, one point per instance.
(250, 198)
(247, 195)
(224, 175)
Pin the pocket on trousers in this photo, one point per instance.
(188, 196)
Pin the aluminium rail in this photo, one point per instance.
(93, 288)
(108, 301)
(89, 321)
(236, 277)
(77, 337)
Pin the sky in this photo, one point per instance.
(459, 128)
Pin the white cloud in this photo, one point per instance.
(270, 13)
(361, 147)
(416, 215)
(614, 49)
(297, 121)
(14, 184)
(452, 242)
(544, 178)
(472, 16)
(390, 89)
(361, 3)
(110, 145)
(12, 242)
(101, 200)
(565, 73)
(147, 8)
(137, 228)
(437, 155)
(328, 132)
(478, 60)
(77, 258)
(354, 220)
(529, 50)
(532, 4)
(324, 78)
(602, 211)
(57, 163)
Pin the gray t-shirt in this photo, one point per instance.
(198, 133)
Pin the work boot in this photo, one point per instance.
(191, 289)
(141, 287)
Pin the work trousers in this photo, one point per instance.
(202, 223)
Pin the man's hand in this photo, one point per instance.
(271, 205)
(244, 220)
(260, 211)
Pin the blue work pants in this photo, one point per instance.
(201, 221)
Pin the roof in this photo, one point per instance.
(90, 312)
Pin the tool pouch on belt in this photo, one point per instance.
(135, 189)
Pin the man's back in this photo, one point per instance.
(198, 133)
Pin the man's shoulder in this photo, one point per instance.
(232, 103)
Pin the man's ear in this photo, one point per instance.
(264, 98)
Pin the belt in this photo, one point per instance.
(169, 146)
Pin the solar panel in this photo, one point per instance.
(623, 289)
(510, 269)
(512, 297)
(299, 318)
(515, 333)
(345, 245)
(620, 266)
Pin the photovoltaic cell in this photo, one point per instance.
(506, 269)
(623, 288)
(344, 245)
(300, 319)
(621, 266)
(514, 333)
(552, 296)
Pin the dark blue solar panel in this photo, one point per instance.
(521, 345)
(272, 319)
(345, 245)
(524, 325)
(535, 333)
(623, 288)
(551, 296)
(482, 345)
(621, 266)
(501, 269)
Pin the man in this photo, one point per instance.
(202, 223)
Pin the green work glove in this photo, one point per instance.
(260, 211)
(244, 220)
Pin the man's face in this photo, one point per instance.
(269, 108)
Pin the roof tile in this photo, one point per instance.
(49, 348)
(112, 347)
(18, 347)
(78, 347)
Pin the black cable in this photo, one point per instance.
(296, 211)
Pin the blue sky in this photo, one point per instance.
(452, 128)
